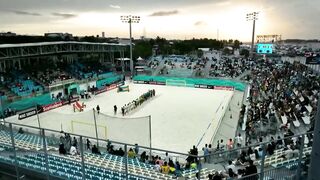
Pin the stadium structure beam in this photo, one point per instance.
(12, 51)
(130, 19)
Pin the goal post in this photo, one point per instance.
(88, 129)
(174, 82)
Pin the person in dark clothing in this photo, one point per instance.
(95, 150)
(62, 150)
(122, 110)
(143, 156)
(120, 152)
(115, 108)
(98, 109)
(251, 170)
(88, 144)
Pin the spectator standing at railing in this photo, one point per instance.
(62, 150)
(75, 142)
(205, 150)
(88, 144)
(239, 140)
(136, 149)
(131, 153)
(167, 158)
(230, 144)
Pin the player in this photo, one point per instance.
(115, 108)
(98, 109)
(122, 110)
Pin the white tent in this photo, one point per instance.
(140, 59)
(123, 59)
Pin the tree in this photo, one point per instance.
(236, 44)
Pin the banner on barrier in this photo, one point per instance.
(110, 87)
(226, 88)
(27, 114)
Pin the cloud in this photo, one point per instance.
(224, 3)
(64, 15)
(115, 6)
(164, 13)
(25, 13)
(200, 23)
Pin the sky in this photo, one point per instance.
(171, 19)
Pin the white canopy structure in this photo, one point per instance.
(140, 59)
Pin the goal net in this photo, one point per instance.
(127, 130)
(173, 82)
(88, 129)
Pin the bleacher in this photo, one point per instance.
(89, 70)
(68, 166)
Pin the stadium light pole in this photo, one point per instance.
(130, 19)
(252, 17)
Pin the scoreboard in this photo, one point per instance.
(263, 48)
(313, 58)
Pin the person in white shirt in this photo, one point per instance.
(231, 166)
(73, 150)
(239, 140)
(157, 166)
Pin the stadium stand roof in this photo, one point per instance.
(55, 43)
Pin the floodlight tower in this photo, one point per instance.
(252, 17)
(130, 19)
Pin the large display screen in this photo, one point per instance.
(313, 59)
(264, 48)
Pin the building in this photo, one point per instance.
(59, 35)
(7, 34)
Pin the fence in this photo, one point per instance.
(192, 82)
(39, 153)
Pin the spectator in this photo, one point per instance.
(95, 150)
(239, 140)
(73, 150)
(136, 149)
(165, 169)
(158, 167)
(231, 166)
(62, 150)
(230, 144)
(131, 153)
(251, 170)
(206, 153)
(88, 144)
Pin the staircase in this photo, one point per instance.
(157, 70)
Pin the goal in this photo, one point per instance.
(88, 129)
(173, 82)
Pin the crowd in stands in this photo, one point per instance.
(229, 67)
(153, 64)
(87, 70)
(51, 76)
(288, 93)
(20, 83)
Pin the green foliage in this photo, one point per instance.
(236, 44)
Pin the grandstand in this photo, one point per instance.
(270, 122)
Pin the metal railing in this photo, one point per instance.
(44, 154)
